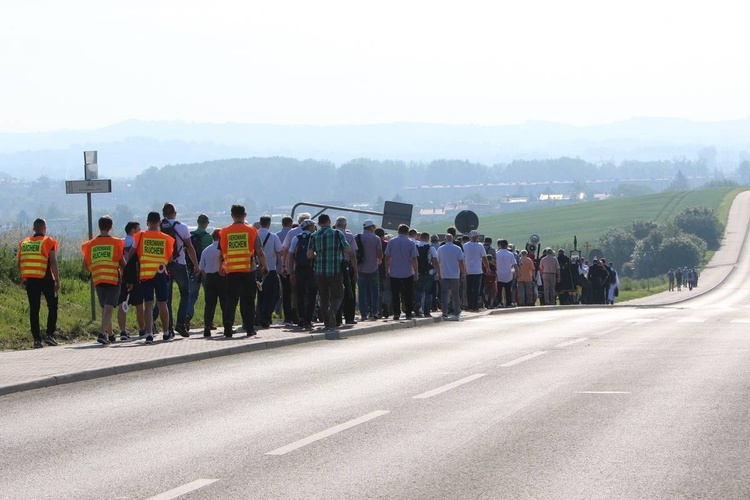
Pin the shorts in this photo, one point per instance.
(136, 294)
(157, 285)
(107, 295)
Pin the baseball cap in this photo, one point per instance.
(306, 223)
(368, 223)
(473, 233)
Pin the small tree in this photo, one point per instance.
(679, 251)
(618, 245)
(702, 222)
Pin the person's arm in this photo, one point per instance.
(415, 268)
(55, 270)
(387, 266)
(261, 255)
(462, 268)
(190, 252)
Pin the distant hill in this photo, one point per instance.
(130, 147)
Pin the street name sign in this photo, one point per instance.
(87, 187)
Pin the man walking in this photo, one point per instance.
(452, 270)
(36, 261)
(429, 270)
(350, 276)
(402, 269)
(287, 289)
(550, 269)
(269, 294)
(526, 279)
(302, 276)
(506, 269)
(327, 246)
(475, 260)
(214, 282)
(200, 240)
(239, 244)
(371, 251)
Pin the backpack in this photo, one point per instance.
(169, 230)
(360, 249)
(197, 241)
(300, 250)
(424, 259)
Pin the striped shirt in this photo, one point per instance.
(328, 244)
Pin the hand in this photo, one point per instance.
(265, 270)
(355, 276)
(293, 279)
(57, 286)
(284, 272)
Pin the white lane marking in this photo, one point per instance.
(328, 432)
(571, 342)
(523, 358)
(741, 321)
(183, 490)
(602, 392)
(605, 332)
(448, 387)
(640, 320)
(691, 320)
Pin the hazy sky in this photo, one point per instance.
(84, 64)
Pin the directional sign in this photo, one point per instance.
(92, 186)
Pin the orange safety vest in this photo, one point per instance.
(102, 255)
(33, 253)
(154, 250)
(238, 247)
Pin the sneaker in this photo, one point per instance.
(408, 317)
(207, 335)
(49, 340)
(38, 344)
(395, 317)
(307, 326)
(149, 339)
(102, 340)
(142, 334)
(214, 327)
(167, 336)
(187, 322)
(451, 318)
(427, 315)
(251, 333)
(352, 322)
(112, 338)
(124, 336)
(240, 330)
(288, 324)
(181, 330)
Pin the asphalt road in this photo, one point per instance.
(615, 402)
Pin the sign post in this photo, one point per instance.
(90, 184)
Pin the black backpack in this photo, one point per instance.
(169, 230)
(424, 260)
(360, 249)
(300, 250)
(197, 241)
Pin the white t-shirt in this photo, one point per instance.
(433, 253)
(271, 248)
(505, 262)
(449, 256)
(183, 235)
(473, 253)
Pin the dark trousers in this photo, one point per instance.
(214, 289)
(405, 287)
(268, 297)
(290, 315)
(306, 293)
(178, 274)
(35, 288)
(241, 288)
(508, 289)
(331, 292)
(473, 284)
(349, 305)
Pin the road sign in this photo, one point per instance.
(92, 186)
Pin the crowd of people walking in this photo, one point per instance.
(309, 271)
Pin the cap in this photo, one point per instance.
(473, 233)
(306, 223)
(368, 223)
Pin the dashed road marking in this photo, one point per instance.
(328, 432)
(448, 387)
(691, 320)
(571, 342)
(603, 392)
(183, 490)
(523, 358)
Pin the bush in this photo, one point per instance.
(702, 222)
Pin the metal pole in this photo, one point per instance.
(91, 235)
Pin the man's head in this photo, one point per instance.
(503, 244)
(487, 241)
(434, 239)
(216, 235)
(265, 221)
(40, 226)
(452, 231)
(341, 222)
(303, 216)
(324, 220)
(524, 253)
(203, 221)
(105, 223)
(561, 252)
(412, 233)
(368, 225)
(307, 225)
(169, 211)
(403, 229)
(380, 232)
(424, 237)
(465, 238)
(549, 251)
(474, 235)
(132, 227)
(238, 213)
(287, 221)
(449, 238)
(152, 220)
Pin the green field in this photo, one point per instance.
(556, 226)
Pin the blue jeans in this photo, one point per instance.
(178, 274)
(423, 300)
(369, 289)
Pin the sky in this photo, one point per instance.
(79, 64)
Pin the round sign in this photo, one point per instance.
(466, 220)
(595, 253)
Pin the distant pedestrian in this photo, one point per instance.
(214, 282)
(452, 270)
(549, 268)
(401, 268)
(670, 279)
(36, 261)
(369, 258)
(271, 286)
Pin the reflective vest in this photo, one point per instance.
(102, 255)
(154, 250)
(33, 254)
(238, 247)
